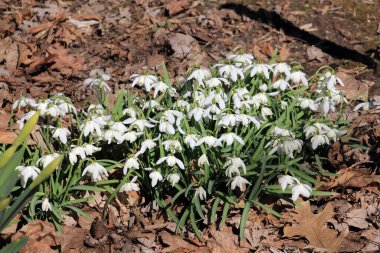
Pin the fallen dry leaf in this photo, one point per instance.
(176, 244)
(314, 53)
(353, 88)
(224, 241)
(8, 137)
(313, 228)
(176, 6)
(284, 53)
(356, 178)
(357, 218)
(11, 58)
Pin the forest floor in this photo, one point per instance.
(49, 47)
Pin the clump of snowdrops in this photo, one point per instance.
(222, 135)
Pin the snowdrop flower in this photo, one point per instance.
(319, 140)
(265, 111)
(25, 118)
(286, 180)
(282, 132)
(283, 105)
(196, 113)
(47, 159)
(230, 71)
(182, 105)
(260, 69)
(245, 119)
(131, 163)
(241, 59)
(281, 84)
(90, 149)
(172, 145)
(240, 182)
(280, 68)
(152, 105)
(191, 140)
(100, 82)
(147, 144)
(166, 127)
(46, 206)
(92, 125)
(200, 75)
(216, 82)
(173, 178)
(211, 141)
(233, 165)
(131, 186)
(301, 189)
(202, 161)
(27, 172)
(259, 99)
(228, 120)
(95, 170)
(140, 124)
(144, 80)
(229, 139)
(67, 107)
(307, 103)
(155, 176)
(76, 151)
(61, 134)
(162, 87)
(285, 145)
(201, 193)
(298, 77)
(326, 104)
(23, 102)
(331, 80)
(210, 111)
(171, 160)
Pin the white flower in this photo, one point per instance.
(130, 136)
(172, 145)
(47, 159)
(140, 124)
(155, 176)
(245, 119)
(23, 102)
(197, 113)
(281, 68)
(173, 178)
(100, 82)
(286, 180)
(260, 69)
(152, 105)
(211, 141)
(216, 82)
(301, 189)
(282, 132)
(331, 80)
(162, 87)
(95, 170)
(147, 144)
(265, 111)
(202, 161)
(131, 186)
(230, 71)
(171, 160)
(307, 103)
(228, 120)
(90, 149)
(182, 105)
(26, 172)
(25, 118)
(283, 105)
(241, 59)
(76, 151)
(46, 206)
(131, 163)
(298, 77)
(240, 182)
(143, 80)
(285, 145)
(319, 140)
(229, 139)
(200, 192)
(61, 134)
(92, 125)
(212, 109)
(200, 75)
(281, 84)
(232, 166)
(364, 106)
(191, 140)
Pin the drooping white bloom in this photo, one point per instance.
(171, 160)
(280, 68)
(131, 186)
(144, 81)
(326, 104)
(265, 112)
(260, 69)
(319, 140)
(152, 105)
(172, 145)
(287, 181)
(131, 163)
(196, 113)
(202, 161)
(228, 139)
(307, 103)
(298, 77)
(173, 178)
(92, 125)
(46, 206)
(228, 120)
(211, 111)
(245, 119)
(216, 82)
(282, 132)
(166, 127)
(99, 82)
(23, 102)
(162, 87)
(27, 172)
(191, 140)
(240, 182)
(301, 189)
(47, 159)
(201, 193)
(147, 144)
(155, 176)
(230, 71)
(182, 105)
(90, 149)
(281, 84)
(233, 165)
(25, 118)
(200, 75)
(61, 134)
(76, 151)
(95, 170)
(211, 141)
(130, 136)
(330, 80)
(241, 60)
